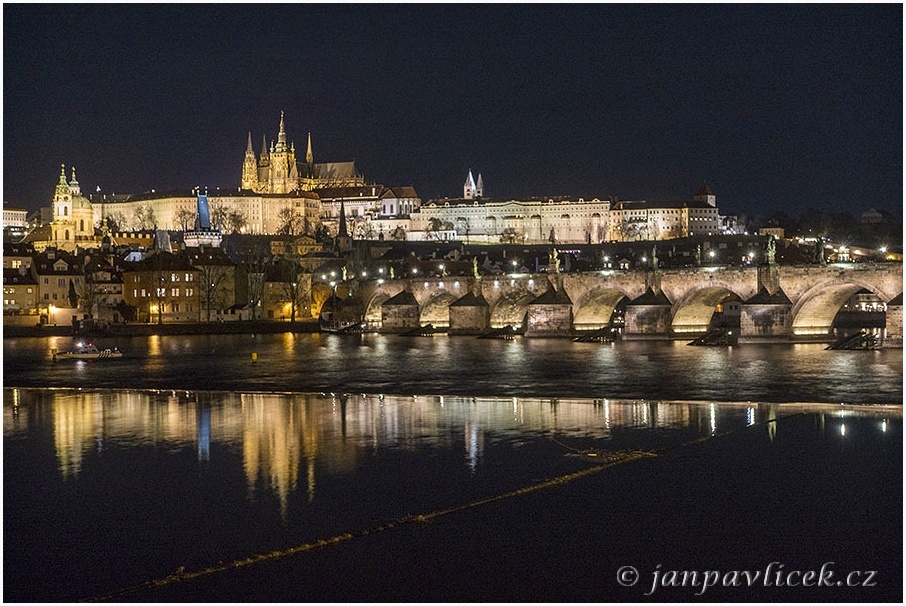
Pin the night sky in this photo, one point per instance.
(777, 107)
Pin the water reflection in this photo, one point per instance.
(282, 437)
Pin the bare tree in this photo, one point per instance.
(144, 217)
(87, 294)
(185, 218)
(218, 216)
(235, 220)
(116, 221)
(289, 222)
(212, 283)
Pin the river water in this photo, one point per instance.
(185, 454)
(376, 364)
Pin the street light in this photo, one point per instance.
(50, 310)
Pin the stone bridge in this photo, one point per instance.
(776, 303)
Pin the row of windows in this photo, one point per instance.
(162, 292)
(11, 290)
(173, 277)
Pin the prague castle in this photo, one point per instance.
(277, 171)
(280, 193)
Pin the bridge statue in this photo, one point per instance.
(771, 251)
(654, 257)
(553, 261)
(475, 267)
(344, 273)
(391, 273)
(818, 256)
(698, 255)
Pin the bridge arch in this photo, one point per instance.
(436, 310)
(511, 309)
(595, 309)
(692, 313)
(814, 312)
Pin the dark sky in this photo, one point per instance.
(777, 107)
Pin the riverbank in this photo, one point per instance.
(142, 330)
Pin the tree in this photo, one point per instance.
(218, 216)
(398, 233)
(211, 286)
(465, 226)
(255, 263)
(294, 286)
(235, 220)
(289, 222)
(144, 217)
(116, 221)
(87, 294)
(185, 218)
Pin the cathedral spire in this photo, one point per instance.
(479, 189)
(309, 157)
(281, 136)
(264, 157)
(63, 175)
(248, 148)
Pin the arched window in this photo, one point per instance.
(66, 237)
(65, 211)
(81, 224)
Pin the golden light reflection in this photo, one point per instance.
(280, 435)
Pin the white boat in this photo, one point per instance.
(88, 351)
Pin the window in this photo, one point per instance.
(174, 292)
(61, 281)
(16, 263)
(29, 290)
(174, 277)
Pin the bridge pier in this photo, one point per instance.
(470, 315)
(893, 335)
(766, 318)
(648, 317)
(550, 315)
(400, 313)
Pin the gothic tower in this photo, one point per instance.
(249, 168)
(479, 189)
(282, 161)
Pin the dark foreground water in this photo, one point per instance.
(108, 489)
(187, 456)
(469, 366)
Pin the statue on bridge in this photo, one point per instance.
(698, 255)
(654, 257)
(553, 262)
(475, 267)
(818, 255)
(771, 251)
(391, 272)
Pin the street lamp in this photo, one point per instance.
(50, 310)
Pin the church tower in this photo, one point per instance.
(249, 168)
(282, 159)
(479, 189)
(468, 188)
(62, 198)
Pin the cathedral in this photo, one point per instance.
(276, 170)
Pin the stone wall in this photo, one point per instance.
(554, 320)
(760, 322)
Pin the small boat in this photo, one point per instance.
(87, 351)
